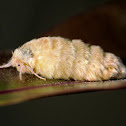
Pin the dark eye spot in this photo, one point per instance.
(27, 52)
(18, 64)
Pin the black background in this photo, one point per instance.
(22, 20)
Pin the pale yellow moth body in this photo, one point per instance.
(60, 58)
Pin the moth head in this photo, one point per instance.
(18, 61)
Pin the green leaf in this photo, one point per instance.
(13, 91)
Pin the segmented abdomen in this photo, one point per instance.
(61, 58)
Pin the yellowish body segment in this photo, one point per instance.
(60, 58)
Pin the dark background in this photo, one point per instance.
(23, 20)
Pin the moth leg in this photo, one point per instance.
(35, 73)
(20, 74)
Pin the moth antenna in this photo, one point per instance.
(12, 52)
(6, 65)
(29, 68)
